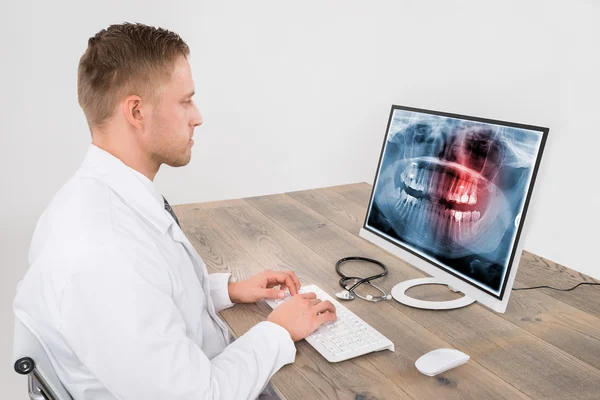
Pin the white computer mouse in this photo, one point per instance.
(440, 360)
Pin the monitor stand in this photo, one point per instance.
(398, 293)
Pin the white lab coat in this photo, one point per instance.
(123, 303)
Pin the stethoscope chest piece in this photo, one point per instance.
(345, 295)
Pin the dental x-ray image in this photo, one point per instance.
(452, 190)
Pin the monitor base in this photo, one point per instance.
(398, 293)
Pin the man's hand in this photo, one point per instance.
(302, 315)
(262, 286)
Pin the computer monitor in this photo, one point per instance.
(450, 197)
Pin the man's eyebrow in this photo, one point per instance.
(193, 92)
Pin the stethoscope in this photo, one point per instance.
(348, 293)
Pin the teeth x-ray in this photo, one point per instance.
(453, 191)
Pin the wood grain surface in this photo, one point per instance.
(546, 345)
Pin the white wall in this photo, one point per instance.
(296, 95)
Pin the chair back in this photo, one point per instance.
(31, 359)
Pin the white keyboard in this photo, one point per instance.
(345, 338)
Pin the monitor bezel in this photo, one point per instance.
(518, 244)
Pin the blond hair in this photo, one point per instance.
(123, 60)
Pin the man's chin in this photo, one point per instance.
(179, 162)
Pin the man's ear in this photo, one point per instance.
(133, 110)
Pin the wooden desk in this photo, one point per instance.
(546, 346)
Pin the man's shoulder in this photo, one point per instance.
(86, 216)
(80, 210)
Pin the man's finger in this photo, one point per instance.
(291, 285)
(326, 317)
(295, 279)
(273, 294)
(314, 302)
(324, 306)
(308, 296)
(285, 278)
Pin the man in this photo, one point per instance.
(119, 297)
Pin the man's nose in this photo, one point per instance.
(197, 120)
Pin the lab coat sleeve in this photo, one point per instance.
(219, 291)
(118, 316)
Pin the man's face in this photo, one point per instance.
(170, 128)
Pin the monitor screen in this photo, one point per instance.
(453, 189)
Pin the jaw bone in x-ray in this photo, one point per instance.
(454, 190)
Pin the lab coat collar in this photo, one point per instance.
(122, 179)
(149, 185)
